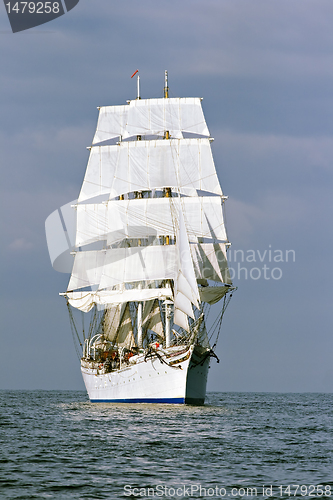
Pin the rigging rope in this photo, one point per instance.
(217, 325)
(92, 326)
(74, 330)
(209, 354)
(152, 353)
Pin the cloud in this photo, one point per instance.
(20, 244)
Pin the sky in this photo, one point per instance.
(265, 72)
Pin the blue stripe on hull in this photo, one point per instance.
(141, 400)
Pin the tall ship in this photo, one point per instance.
(146, 246)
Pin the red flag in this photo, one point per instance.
(135, 72)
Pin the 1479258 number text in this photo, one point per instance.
(33, 7)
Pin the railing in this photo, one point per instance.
(89, 345)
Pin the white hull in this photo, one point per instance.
(182, 378)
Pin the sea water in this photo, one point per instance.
(57, 445)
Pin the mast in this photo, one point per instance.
(137, 82)
(139, 317)
(166, 88)
(167, 238)
(167, 304)
(138, 86)
(140, 323)
(166, 95)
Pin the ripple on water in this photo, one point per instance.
(59, 445)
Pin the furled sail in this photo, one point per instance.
(85, 301)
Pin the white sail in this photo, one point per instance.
(111, 123)
(180, 318)
(186, 288)
(107, 268)
(100, 171)
(92, 223)
(85, 301)
(125, 265)
(140, 226)
(185, 165)
(186, 270)
(125, 335)
(87, 269)
(175, 115)
(210, 262)
(152, 317)
(141, 218)
(111, 321)
(212, 294)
